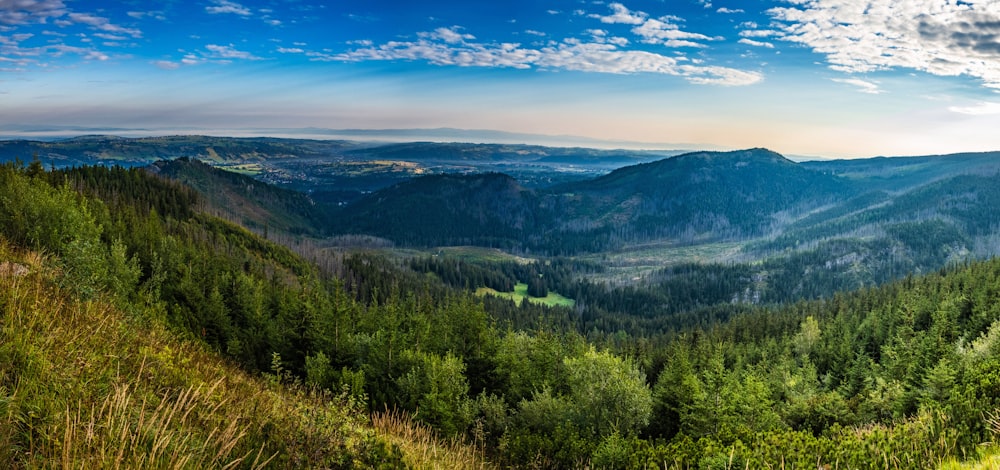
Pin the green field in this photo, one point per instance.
(521, 292)
(249, 169)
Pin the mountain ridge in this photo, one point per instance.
(690, 193)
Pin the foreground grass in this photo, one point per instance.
(422, 448)
(989, 460)
(86, 385)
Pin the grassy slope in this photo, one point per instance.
(86, 385)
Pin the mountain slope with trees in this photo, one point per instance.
(718, 195)
(904, 373)
(486, 210)
(745, 196)
(258, 206)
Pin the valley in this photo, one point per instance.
(785, 231)
(541, 306)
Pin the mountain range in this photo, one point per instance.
(568, 200)
(702, 197)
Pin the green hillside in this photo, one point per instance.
(246, 201)
(718, 195)
(84, 384)
(117, 348)
(179, 339)
(698, 197)
(490, 210)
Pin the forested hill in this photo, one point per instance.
(487, 210)
(897, 174)
(743, 196)
(258, 206)
(719, 194)
(713, 195)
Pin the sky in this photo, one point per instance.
(833, 78)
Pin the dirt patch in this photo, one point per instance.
(10, 269)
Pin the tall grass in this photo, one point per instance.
(989, 453)
(85, 385)
(422, 447)
(107, 437)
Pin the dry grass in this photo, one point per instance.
(84, 385)
(422, 448)
(108, 437)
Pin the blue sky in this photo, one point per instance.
(837, 78)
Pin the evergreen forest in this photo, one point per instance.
(146, 324)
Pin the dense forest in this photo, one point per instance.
(754, 197)
(677, 375)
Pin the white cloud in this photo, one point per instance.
(751, 42)
(87, 54)
(723, 76)
(864, 86)
(158, 15)
(983, 108)
(226, 6)
(941, 38)
(12, 51)
(655, 31)
(663, 30)
(291, 50)
(601, 52)
(20, 12)
(166, 64)
(216, 53)
(570, 54)
(621, 15)
(227, 52)
(759, 33)
(617, 40)
(110, 37)
(448, 35)
(102, 24)
(729, 11)
(15, 38)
